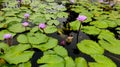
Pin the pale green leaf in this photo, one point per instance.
(91, 46)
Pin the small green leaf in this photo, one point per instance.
(81, 62)
(110, 44)
(105, 33)
(51, 59)
(37, 38)
(50, 44)
(50, 29)
(27, 64)
(4, 46)
(75, 25)
(17, 28)
(101, 61)
(22, 38)
(69, 62)
(100, 24)
(51, 22)
(61, 51)
(91, 30)
(91, 46)
(17, 54)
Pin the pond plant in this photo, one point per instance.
(36, 33)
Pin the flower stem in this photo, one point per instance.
(9, 41)
(78, 32)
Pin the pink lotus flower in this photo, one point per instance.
(7, 36)
(42, 25)
(72, 1)
(81, 18)
(26, 15)
(25, 24)
(101, 1)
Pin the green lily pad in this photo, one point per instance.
(105, 33)
(27, 64)
(100, 24)
(22, 38)
(91, 30)
(1, 18)
(91, 46)
(37, 38)
(50, 44)
(81, 62)
(51, 22)
(61, 51)
(3, 32)
(17, 54)
(17, 28)
(62, 15)
(101, 61)
(4, 46)
(69, 62)
(75, 25)
(50, 29)
(34, 29)
(51, 61)
(39, 20)
(110, 44)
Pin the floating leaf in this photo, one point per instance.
(50, 44)
(110, 44)
(50, 29)
(101, 61)
(51, 61)
(27, 64)
(3, 32)
(81, 62)
(22, 38)
(100, 24)
(62, 15)
(105, 33)
(91, 46)
(4, 46)
(17, 54)
(34, 29)
(55, 22)
(91, 30)
(61, 51)
(69, 62)
(75, 25)
(17, 28)
(37, 38)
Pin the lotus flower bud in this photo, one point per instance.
(26, 15)
(25, 24)
(81, 18)
(42, 25)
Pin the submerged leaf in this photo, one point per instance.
(90, 47)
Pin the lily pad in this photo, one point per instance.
(75, 25)
(37, 38)
(101, 61)
(50, 29)
(50, 44)
(69, 62)
(91, 30)
(51, 61)
(61, 51)
(55, 22)
(81, 62)
(17, 54)
(110, 44)
(17, 28)
(100, 24)
(91, 46)
(4, 46)
(22, 38)
(27, 64)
